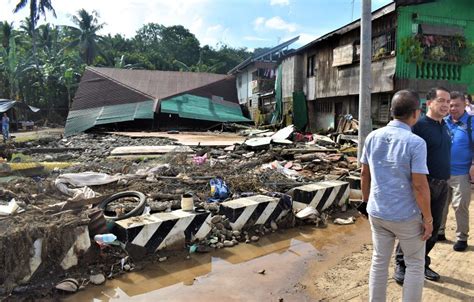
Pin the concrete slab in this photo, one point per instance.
(131, 150)
(193, 138)
(161, 230)
(255, 210)
(321, 195)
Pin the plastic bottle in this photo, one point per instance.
(105, 238)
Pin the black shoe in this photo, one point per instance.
(399, 274)
(460, 246)
(431, 274)
(441, 237)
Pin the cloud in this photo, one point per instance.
(280, 24)
(258, 22)
(280, 2)
(253, 38)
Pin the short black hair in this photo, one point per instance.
(457, 95)
(404, 103)
(431, 95)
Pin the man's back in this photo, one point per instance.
(393, 153)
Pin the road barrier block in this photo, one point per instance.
(321, 195)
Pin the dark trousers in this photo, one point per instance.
(439, 195)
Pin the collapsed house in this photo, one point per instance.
(149, 100)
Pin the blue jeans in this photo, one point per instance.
(5, 132)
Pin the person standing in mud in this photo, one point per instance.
(396, 190)
(5, 127)
(432, 129)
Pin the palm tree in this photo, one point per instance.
(38, 8)
(85, 34)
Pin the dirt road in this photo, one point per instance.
(348, 280)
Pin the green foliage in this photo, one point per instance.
(411, 48)
(42, 65)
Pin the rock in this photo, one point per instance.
(219, 226)
(97, 279)
(126, 267)
(247, 241)
(216, 219)
(273, 225)
(235, 242)
(228, 243)
(254, 238)
(236, 233)
(48, 158)
(213, 240)
(161, 259)
(219, 245)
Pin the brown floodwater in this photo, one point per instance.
(235, 274)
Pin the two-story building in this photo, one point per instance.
(416, 44)
(256, 79)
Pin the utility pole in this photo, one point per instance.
(365, 78)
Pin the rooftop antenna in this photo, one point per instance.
(352, 15)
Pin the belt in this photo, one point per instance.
(437, 181)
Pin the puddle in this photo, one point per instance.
(233, 273)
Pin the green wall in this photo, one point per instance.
(442, 12)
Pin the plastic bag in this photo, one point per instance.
(219, 190)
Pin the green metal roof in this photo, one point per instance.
(81, 120)
(201, 108)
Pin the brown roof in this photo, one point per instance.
(156, 83)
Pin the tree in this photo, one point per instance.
(38, 8)
(85, 36)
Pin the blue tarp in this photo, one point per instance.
(7, 104)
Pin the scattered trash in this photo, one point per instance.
(187, 202)
(261, 272)
(97, 279)
(199, 160)
(307, 212)
(104, 239)
(342, 221)
(70, 285)
(9, 209)
(219, 190)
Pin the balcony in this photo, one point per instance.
(438, 71)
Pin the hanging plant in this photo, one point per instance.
(411, 48)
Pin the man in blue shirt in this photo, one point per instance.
(432, 129)
(460, 127)
(394, 183)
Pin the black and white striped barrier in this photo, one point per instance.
(255, 210)
(160, 230)
(321, 195)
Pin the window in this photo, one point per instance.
(310, 66)
(323, 107)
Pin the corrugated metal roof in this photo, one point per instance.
(348, 27)
(158, 84)
(201, 108)
(277, 51)
(81, 120)
(96, 90)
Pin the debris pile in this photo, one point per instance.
(95, 189)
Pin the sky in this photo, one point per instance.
(237, 23)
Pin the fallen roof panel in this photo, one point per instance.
(200, 108)
(81, 120)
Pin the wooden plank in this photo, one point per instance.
(151, 150)
(343, 55)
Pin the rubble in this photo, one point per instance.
(91, 191)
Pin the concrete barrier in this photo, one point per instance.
(255, 210)
(321, 195)
(160, 230)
